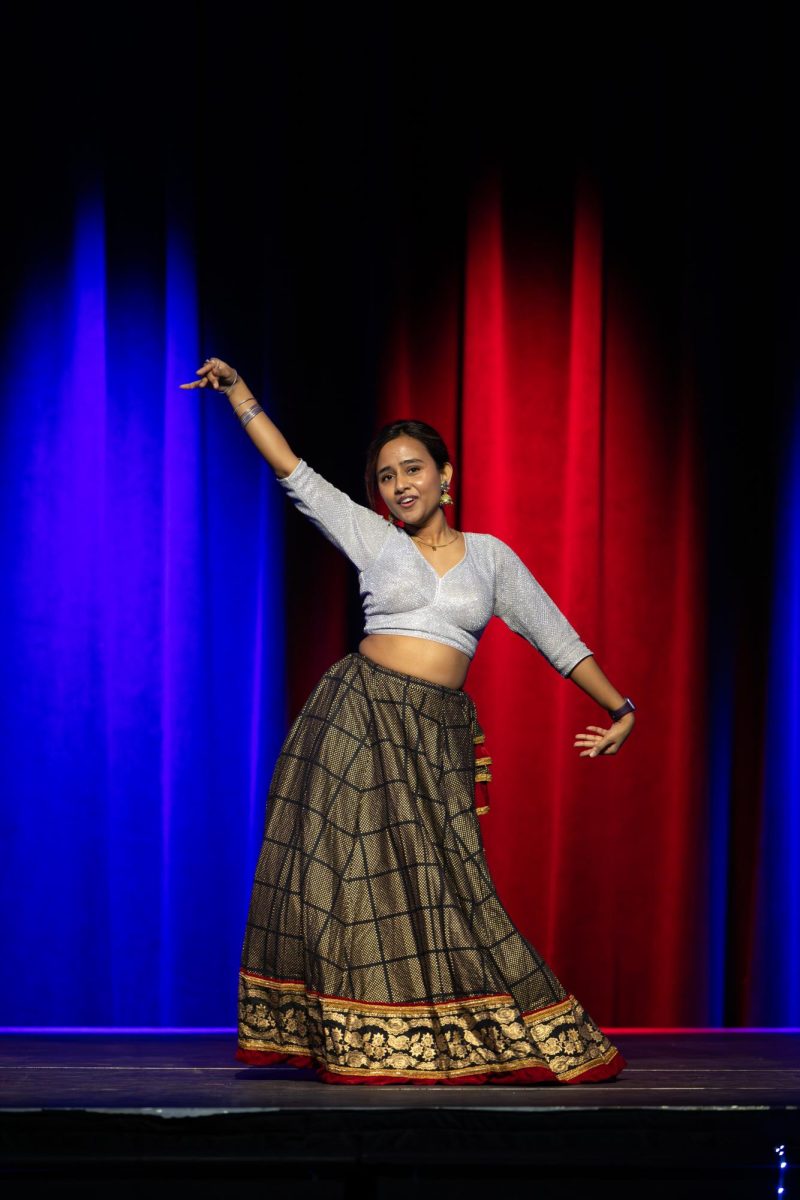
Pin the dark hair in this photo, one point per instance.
(431, 439)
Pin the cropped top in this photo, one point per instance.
(401, 592)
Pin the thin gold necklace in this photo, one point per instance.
(432, 547)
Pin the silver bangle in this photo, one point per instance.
(251, 412)
(227, 390)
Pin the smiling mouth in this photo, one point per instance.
(406, 503)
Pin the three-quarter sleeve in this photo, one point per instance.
(523, 604)
(354, 529)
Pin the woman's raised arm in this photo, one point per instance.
(264, 434)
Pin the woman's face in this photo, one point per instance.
(409, 480)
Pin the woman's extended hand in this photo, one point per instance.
(599, 741)
(214, 373)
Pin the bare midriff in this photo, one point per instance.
(426, 659)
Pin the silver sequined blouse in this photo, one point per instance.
(402, 594)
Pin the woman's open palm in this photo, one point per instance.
(598, 741)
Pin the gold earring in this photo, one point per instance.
(445, 497)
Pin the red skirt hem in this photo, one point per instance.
(523, 1075)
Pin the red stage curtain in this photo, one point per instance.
(573, 441)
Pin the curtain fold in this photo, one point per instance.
(566, 454)
(143, 689)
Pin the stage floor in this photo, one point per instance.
(692, 1111)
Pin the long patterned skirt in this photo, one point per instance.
(376, 949)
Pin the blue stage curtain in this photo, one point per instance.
(142, 681)
(774, 981)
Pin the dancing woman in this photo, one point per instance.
(376, 948)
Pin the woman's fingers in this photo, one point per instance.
(595, 742)
(600, 741)
(206, 372)
(212, 370)
(602, 747)
(608, 746)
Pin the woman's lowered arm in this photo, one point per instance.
(597, 740)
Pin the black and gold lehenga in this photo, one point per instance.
(376, 949)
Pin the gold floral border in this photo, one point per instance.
(484, 1035)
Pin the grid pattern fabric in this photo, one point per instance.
(372, 893)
